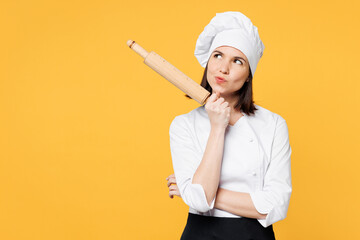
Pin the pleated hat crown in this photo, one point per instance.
(230, 29)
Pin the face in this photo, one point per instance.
(230, 64)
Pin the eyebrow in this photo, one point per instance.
(234, 57)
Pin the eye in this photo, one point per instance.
(215, 55)
(239, 61)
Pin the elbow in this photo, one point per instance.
(277, 213)
(208, 194)
(271, 207)
(194, 196)
(202, 208)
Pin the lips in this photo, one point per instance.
(220, 80)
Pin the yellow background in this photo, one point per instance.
(84, 142)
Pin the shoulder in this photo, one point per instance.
(187, 120)
(265, 115)
(265, 121)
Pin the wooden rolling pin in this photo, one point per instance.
(171, 73)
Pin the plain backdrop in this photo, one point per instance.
(84, 123)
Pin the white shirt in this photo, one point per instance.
(256, 160)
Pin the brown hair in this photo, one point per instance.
(245, 93)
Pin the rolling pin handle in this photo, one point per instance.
(172, 74)
(137, 48)
(206, 99)
(130, 43)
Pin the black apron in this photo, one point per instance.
(225, 228)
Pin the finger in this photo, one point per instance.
(175, 190)
(172, 193)
(224, 104)
(172, 175)
(173, 187)
(218, 102)
(212, 98)
(171, 181)
(225, 107)
(228, 110)
(176, 193)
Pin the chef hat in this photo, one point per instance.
(230, 29)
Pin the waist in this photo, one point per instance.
(214, 213)
(208, 227)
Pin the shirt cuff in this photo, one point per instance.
(263, 207)
(199, 199)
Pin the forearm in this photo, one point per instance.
(238, 203)
(208, 172)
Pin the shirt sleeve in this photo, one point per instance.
(185, 159)
(274, 198)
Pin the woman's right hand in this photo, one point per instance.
(218, 111)
(173, 188)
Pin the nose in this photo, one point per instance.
(224, 67)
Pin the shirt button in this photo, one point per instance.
(254, 173)
(251, 140)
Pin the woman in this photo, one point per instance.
(231, 158)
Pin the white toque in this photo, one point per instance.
(232, 29)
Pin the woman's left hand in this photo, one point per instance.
(173, 189)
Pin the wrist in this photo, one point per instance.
(218, 130)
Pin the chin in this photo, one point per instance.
(218, 89)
